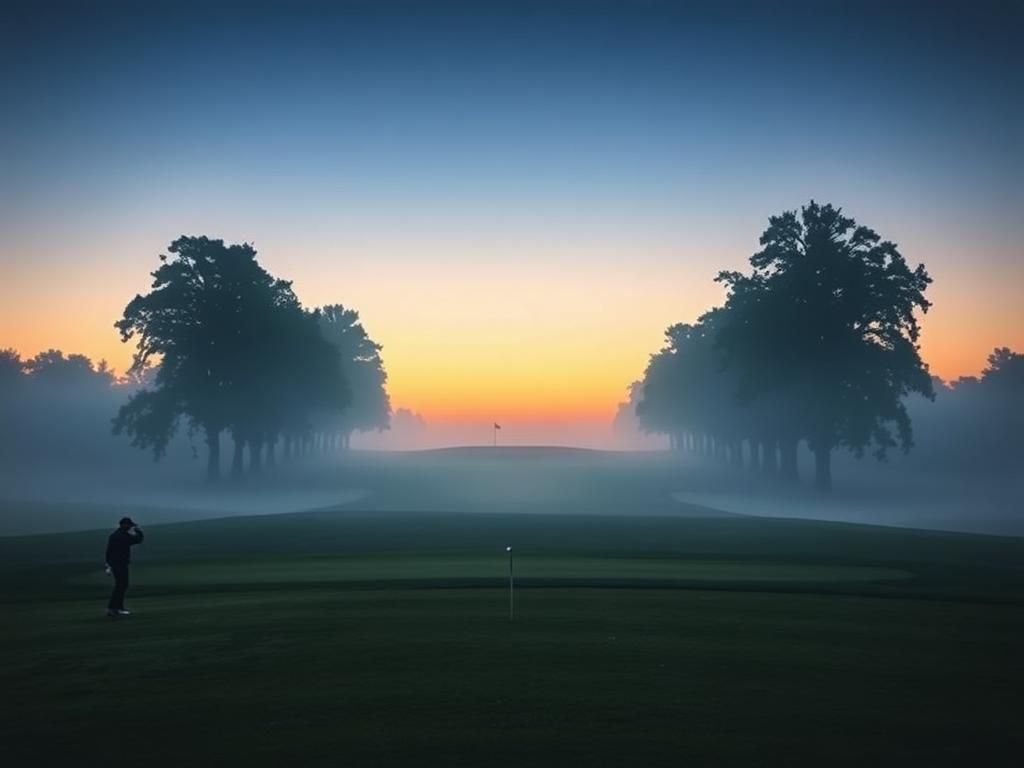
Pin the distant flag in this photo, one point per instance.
(497, 426)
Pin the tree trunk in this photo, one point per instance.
(237, 458)
(213, 454)
(787, 454)
(823, 469)
(255, 456)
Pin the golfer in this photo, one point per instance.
(119, 555)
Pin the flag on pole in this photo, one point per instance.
(497, 426)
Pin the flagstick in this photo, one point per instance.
(511, 587)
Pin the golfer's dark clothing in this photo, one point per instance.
(119, 547)
(120, 572)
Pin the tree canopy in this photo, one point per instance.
(235, 351)
(362, 367)
(819, 341)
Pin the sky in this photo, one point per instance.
(518, 198)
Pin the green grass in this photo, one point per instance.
(383, 639)
(383, 568)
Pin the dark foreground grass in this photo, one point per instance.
(441, 677)
(326, 639)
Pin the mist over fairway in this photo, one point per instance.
(513, 479)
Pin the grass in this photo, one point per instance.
(383, 639)
(385, 568)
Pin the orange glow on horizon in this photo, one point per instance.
(517, 388)
(538, 341)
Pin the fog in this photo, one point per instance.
(61, 467)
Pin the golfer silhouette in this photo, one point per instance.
(119, 556)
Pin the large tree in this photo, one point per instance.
(827, 319)
(205, 323)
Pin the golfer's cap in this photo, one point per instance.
(126, 520)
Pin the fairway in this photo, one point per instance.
(384, 639)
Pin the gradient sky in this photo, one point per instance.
(518, 200)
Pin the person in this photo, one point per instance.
(119, 546)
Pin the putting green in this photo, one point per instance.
(405, 567)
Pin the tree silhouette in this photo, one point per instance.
(150, 418)
(829, 308)
(12, 368)
(52, 367)
(663, 400)
(363, 369)
(688, 394)
(1005, 372)
(997, 406)
(12, 379)
(209, 321)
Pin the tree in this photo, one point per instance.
(688, 395)
(12, 368)
(150, 418)
(53, 368)
(12, 377)
(363, 369)
(998, 409)
(831, 308)
(660, 409)
(1005, 372)
(202, 322)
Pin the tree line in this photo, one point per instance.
(56, 408)
(818, 342)
(222, 348)
(236, 352)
